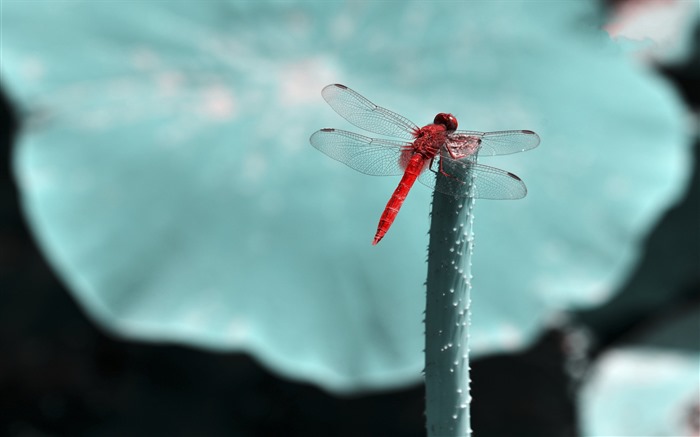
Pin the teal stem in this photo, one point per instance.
(447, 316)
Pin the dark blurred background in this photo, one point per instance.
(61, 375)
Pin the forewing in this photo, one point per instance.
(495, 143)
(488, 182)
(366, 115)
(372, 156)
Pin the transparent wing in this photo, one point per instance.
(372, 156)
(493, 143)
(489, 182)
(366, 115)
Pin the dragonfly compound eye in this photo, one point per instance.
(447, 120)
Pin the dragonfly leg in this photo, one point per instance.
(430, 166)
(453, 155)
(444, 173)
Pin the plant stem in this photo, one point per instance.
(447, 316)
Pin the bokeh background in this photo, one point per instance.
(177, 260)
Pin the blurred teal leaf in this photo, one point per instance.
(648, 386)
(165, 169)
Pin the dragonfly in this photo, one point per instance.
(437, 155)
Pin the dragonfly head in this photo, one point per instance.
(447, 120)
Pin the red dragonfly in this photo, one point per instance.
(414, 157)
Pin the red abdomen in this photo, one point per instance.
(413, 169)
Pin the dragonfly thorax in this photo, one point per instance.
(447, 120)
